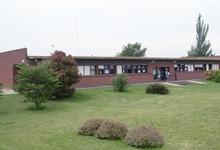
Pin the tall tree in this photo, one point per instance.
(202, 47)
(132, 50)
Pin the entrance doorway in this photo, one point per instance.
(161, 73)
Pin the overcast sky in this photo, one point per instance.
(165, 27)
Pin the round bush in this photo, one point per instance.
(145, 136)
(111, 130)
(89, 127)
(157, 89)
(119, 82)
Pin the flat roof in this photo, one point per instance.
(214, 58)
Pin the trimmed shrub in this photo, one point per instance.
(111, 130)
(157, 89)
(89, 127)
(145, 136)
(213, 75)
(119, 82)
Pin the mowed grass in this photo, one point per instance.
(188, 118)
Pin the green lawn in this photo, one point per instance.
(188, 118)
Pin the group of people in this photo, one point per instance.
(161, 73)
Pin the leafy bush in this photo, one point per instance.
(157, 89)
(119, 82)
(67, 72)
(145, 136)
(213, 75)
(36, 83)
(111, 130)
(89, 127)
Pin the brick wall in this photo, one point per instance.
(105, 80)
(7, 62)
(190, 75)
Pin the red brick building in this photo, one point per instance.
(8, 60)
(98, 71)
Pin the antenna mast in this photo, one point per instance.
(77, 35)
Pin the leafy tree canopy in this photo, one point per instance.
(36, 83)
(132, 50)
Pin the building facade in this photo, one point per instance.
(99, 71)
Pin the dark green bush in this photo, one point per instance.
(144, 137)
(89, 127)
(213, 75)
(157, 89)
(119, 82)
(111, 130)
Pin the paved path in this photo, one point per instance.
(197, 82)
(169, 83)
(8, 91)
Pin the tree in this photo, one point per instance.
(132, 50)
(67, 72)
(202, 47)
(36, 83)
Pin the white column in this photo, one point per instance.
(207, 67)
(119, 69)
(87, 70)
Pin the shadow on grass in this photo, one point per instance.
(3, 113)
(33, 108)
(81, 97)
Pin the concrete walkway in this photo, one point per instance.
(170, 83)
(8, 91)
(196, 82)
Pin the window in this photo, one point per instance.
(144, 69)
(181, 67)
(107, 69)
(127, 69)
(92, 70)
(101, 69)
(215, 66)
(87, 70)
(140, 68)
(190, 67)
(134, 68)
(112, 69)
(210, 66)
(200, 67)
(81, 70)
